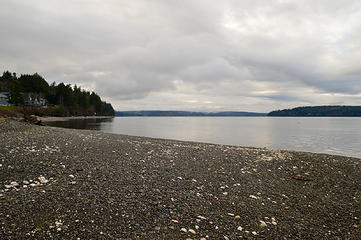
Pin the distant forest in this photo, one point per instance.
(64, 99)
(186, 114)
(319, 111)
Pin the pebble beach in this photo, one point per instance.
(79, 184)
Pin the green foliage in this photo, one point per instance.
(33, 83)
(67, 99)
(320, 111)
(15, 89)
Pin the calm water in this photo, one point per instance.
(340, 136)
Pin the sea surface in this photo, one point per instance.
(334, 135)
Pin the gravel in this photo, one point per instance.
(79, 184)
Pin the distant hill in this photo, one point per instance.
(185, 114)
(319, 111)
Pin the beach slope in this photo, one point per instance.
(69, 184)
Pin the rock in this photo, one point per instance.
(184, 230)
(43, 180)
(263, 224)
(240, 228)
(191, 231)
(32, 119)
(253, 196)
(14, 184)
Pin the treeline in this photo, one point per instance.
(70, 100)
(319, 111)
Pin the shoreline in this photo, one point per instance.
(55, 119)
(66, 183)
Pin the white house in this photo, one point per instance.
(4, 99)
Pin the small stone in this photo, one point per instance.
(58, 223)
(253, 196)
(71, 175)
(43, 180)
(191, 231)
(226, 238)
(196, 227)
(14, 184)
(237, 217)
(184, 230)
(26, 182)
(240, 228)
(225, 193)
(175, 221)
(201, 217)
(263, 224)
(254, 233)
(230, 214)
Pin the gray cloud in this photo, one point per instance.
(199, 55)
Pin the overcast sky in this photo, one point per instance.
(203, 55)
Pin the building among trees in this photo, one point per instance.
(33, 90)
(4, 98)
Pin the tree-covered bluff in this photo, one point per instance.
(319, 111)
(33, 93)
